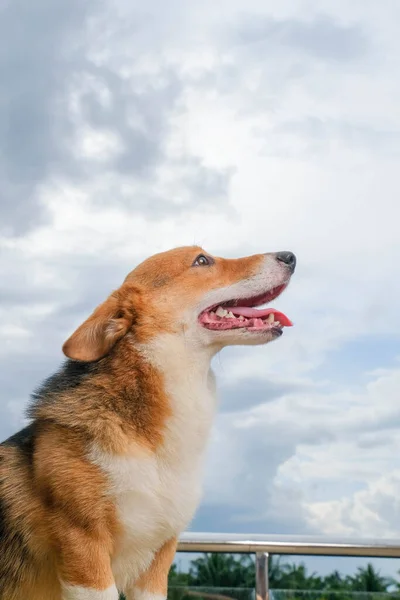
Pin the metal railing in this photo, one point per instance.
(263, 546)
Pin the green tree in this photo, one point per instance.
(367, 579)
(295, 577)
(223, 570)
(275, 571)
(178, 578)
(335, 582)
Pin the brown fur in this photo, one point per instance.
(155, 579)
(122, 405)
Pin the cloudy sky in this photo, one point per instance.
(246, 126)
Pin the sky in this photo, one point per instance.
(128, 128)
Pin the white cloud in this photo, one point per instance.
(331, 460)
(371, 512)
(256, 126)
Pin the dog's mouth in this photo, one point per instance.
(243, 314)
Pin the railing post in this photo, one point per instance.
(262, 579)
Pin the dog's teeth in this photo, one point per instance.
(241, 318)
(271, 318)
(277, 324)
(230, 315)
(221, 312)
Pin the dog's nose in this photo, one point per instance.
(288, 258)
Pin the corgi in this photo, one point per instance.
(96, 490)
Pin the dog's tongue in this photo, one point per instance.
(254, 313)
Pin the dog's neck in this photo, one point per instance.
(190, 386)
(174, 354)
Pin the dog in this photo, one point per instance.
(96, 490)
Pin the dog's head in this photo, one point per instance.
(210, 301)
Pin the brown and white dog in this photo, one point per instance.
(96, 489)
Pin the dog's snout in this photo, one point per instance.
(288, 258)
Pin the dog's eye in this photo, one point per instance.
(202, 261)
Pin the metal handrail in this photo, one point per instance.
(263, 546)
(293, 545)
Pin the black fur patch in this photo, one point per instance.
(24, 440)
(69, 377)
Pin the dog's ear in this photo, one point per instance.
(101, 331)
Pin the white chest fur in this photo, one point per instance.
(157, 495)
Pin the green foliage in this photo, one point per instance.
(295, 577)
(369, 580)
(233, 576)
(222, 570)
(176, 578)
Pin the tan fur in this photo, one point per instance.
(155, 579)
(57, 517)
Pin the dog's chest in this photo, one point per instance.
(160, 492)
(156, 496)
